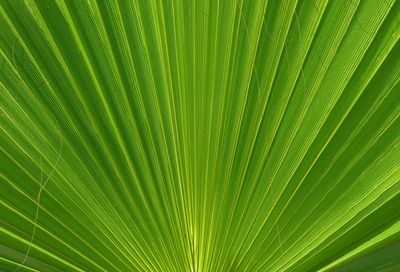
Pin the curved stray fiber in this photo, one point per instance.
(42, 186)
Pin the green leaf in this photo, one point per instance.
(199, 135)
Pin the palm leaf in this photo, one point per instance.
(200, 135)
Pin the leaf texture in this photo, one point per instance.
(199, 135)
